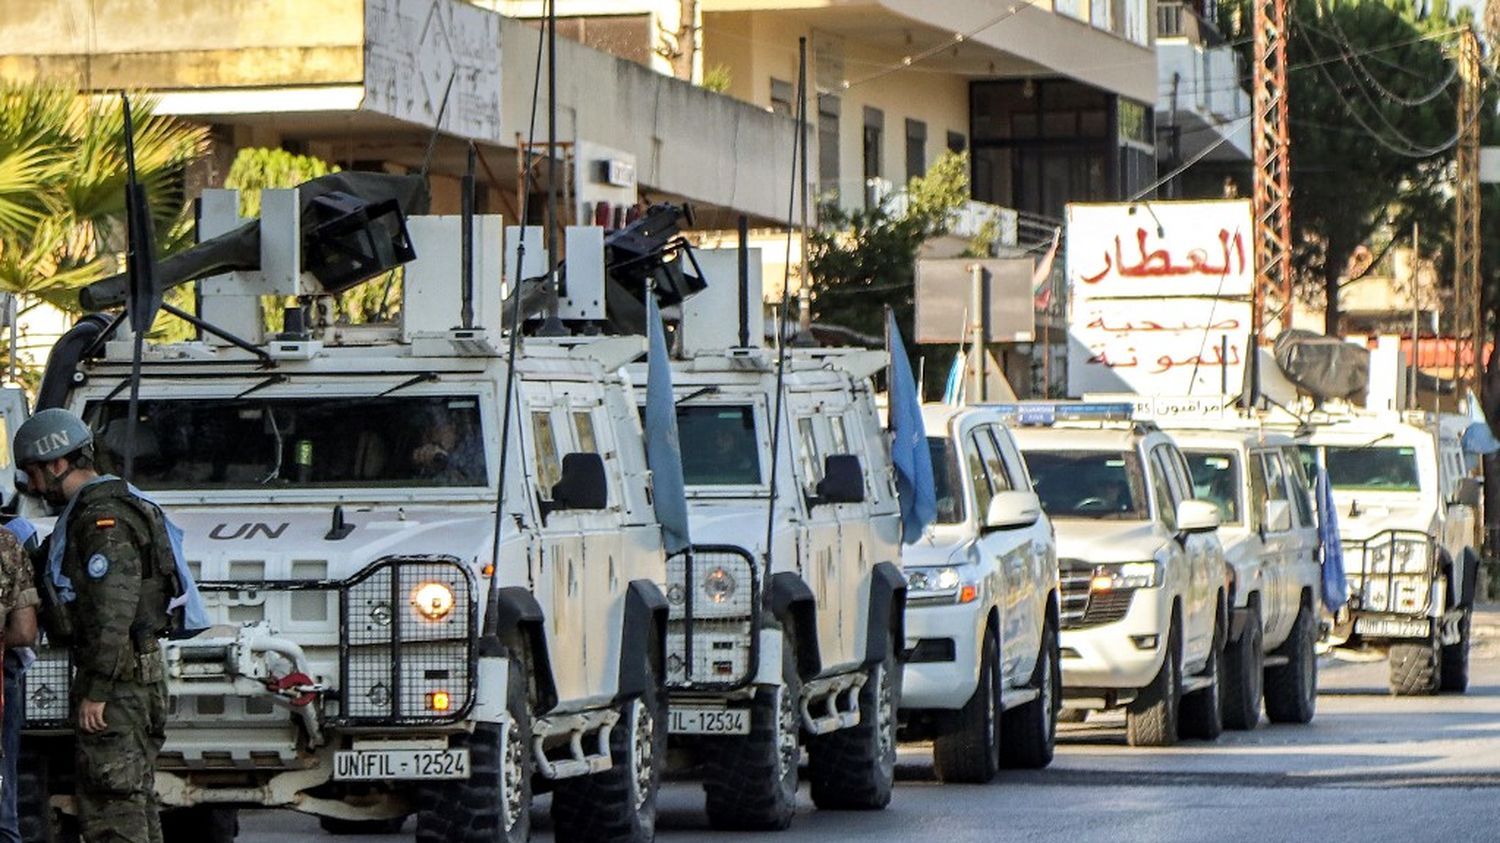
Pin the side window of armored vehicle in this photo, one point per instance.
(840, 435)
(548, 462)
(983, 490)
(1161, 488)
(1275, 478)
(994, 466)
(812, 460)
(1301, 487)
(583, 429)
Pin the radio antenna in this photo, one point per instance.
(437, 126)
(144, 299)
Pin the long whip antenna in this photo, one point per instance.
(143, 302)
(437, 126)
(799, 147)
(491, 630)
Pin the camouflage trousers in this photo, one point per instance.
(116, 769)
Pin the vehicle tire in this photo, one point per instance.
(1292, 689)
(200, 824)
(1028, 732)
(472, 810)
(750, 782)
(1244, 666)
(1416, 669)
(36, 779)
(1455, 670)
(1202, 715)
(1151, 718)
(970, 752)
(349, 828)
(619, 804)
(855, 768)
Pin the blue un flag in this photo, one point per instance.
(663, 451)
(909, 454)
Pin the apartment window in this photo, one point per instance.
(916, 148)
(828, 145)
(782, 98)
(957, 142)
(874, 132)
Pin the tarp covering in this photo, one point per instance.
(1326, 367)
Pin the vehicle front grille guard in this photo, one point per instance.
(387, 657)
(1360, 563)
(712, 646)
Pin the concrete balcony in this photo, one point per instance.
(1202, 87)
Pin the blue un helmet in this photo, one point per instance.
(49, 435)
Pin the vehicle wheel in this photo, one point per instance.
(1292, 689)
(343, 828)
(1151, 718)
(750, 782)
(855, 768)
(1416, 669)
(36, 781)
(1455, 670)
(1244, 664)
(201, 824)
(970, 753)
(619, 804)
(1028, 733)
(1202, 715)
(494, 803)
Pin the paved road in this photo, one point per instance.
(1370, 768)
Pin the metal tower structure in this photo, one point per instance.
(1273, 186)
(1468, 292)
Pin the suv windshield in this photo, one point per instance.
(718, 445)
(1376, 469)
(1216, 478)
(1089, 484)
(366, 442)
(946, 480)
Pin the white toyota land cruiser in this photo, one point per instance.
(982, 608)
(337, 487)
(1406, 510)
(1144, 581)
(1269, 530)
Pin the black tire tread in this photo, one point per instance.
(1201, 716)
(961, 755)
(1416, 670)
(844, 767)
(1287, 701)
(1027, 740)
(1243, 670)
(1149, 719)
(741, 789)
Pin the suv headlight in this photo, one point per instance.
(1124, 575)
(432, 600)
(940, 584)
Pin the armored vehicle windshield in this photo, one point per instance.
(718, 445)
(365, 442)
(1089, 484)
(1372, 469)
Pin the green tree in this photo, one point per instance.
(1371, 99)
(862, 261)
(62, 187)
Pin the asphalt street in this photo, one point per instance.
(1369, 768)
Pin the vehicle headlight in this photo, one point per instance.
(432, 600)
(932, 582)
(1125, 575)
(719, 585)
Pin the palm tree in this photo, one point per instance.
(62, 186)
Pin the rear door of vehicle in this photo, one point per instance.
(823, 553)
(1036, 568)
(1183, 560)
(1270, 477)
(1303, 566)
(1007, 549)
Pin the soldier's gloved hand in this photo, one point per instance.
(91, 717)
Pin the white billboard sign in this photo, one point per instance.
(1188, 346)
(1151, 249)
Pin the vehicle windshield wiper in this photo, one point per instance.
(697, 393)
(275, 431)
(1373, 442)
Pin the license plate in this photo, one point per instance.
(383, 764)
(1392, 628)
(709, 721)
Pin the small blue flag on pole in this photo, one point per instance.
(909, 454)
(663, 451)
(1335, 583)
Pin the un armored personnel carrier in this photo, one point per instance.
(401, 630)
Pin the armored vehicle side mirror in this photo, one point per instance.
(1012, 509)
(583, 485)
(1197, 516)
(1278, 516)
(843, 481)
(1469, 492)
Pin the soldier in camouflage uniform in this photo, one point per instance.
(108, 562)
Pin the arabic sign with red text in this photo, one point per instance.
(1186, 346)
(1143, 250)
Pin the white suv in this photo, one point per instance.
(982, 609)
(1270, 537)
(1144, 581)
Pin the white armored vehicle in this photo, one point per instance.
(1406, 511)
(982, 613)
(378, 651)
(1268, 527)
(773, 648)
(1144, 581)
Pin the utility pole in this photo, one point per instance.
(1468, 313)
(1273, 186)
